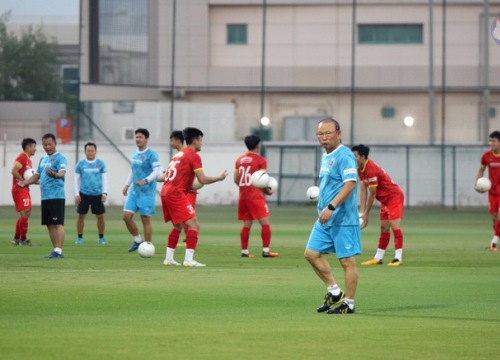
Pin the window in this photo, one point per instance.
(236, 34)
(390, 34)
(70, 75)
(119, 42)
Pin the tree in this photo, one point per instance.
(27, 64)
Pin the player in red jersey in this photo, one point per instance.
(179, 176)
(252, 205)
(21, 195)
(375, 183)
(491, 160)
(177, 143)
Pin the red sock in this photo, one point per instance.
(191, 239)
(497, 228)
(17, 234)
(173, 238)
(244, 237)
(398, 238)
(23, 227)
(383, 240)
(266, 235)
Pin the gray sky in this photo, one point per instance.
(34, 10)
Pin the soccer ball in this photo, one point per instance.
(483, 184)
(161, 177)
(196, 184)
(260, 179)
(28, 173)
(312, 193)
(272, 184)
(146, 249)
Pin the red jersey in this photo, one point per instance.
(179, 175)
(492, 162)
(373, 175)
(246, 165)
(25, 162)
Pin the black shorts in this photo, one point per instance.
(93, 201)
(53, 211)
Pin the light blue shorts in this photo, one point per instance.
(143, 204)
(344, 241)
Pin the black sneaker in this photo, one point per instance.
(331, 301)
(247, 255)
(269, 254)
(342, 309)
(25, 243)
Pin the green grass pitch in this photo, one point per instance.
(101, 302)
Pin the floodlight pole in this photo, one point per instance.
(263, 70)
(443, 106)
(172, 75)
(353, 69)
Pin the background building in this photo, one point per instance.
(368, 63)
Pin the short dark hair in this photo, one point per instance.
(190, 134)
(142, 131)
(49, 136)
(495, 135)
(26, 142)
(90, 144)
(177, 134)
(361, 150)
(252, 141)
(333, 121)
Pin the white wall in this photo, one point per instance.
(418, 174)
(216, 159)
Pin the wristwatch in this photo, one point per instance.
(331, 207)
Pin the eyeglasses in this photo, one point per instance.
(326, 134)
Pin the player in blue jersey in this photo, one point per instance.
(51, 171)
(337, 228)
(140, 188)
(91, 190)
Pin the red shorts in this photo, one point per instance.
(177, 208)
(22, 200)
(494, 201)
(252, 209)
(393, 209)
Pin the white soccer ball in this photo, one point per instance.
(28, 173)
(260, 179)
(272, 184)
(312, 193)
(161, 177)
(146, 249)
(483, 184)
(196, 184)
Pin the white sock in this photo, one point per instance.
(58, 250)
(494, 240)
(245, 252)
(170, 254)
(138, 239)
(189, 255)
(349, 302)
(380, 254)
(265, 249)
(334, 290)
(399, 254)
